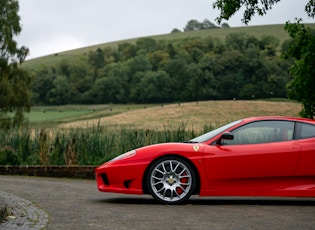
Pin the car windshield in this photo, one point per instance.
(213, 133)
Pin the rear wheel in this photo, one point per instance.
(171, 180)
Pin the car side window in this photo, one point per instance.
(306, 130)
(262, 132)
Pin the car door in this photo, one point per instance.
(262, 155)
(306, 137)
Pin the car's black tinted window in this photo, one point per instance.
(262, 132)
(307, 130)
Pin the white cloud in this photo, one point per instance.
(51, 26)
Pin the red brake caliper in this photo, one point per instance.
(182, 180)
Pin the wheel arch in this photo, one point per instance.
(144, 184)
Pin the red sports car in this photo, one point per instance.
(259, 156)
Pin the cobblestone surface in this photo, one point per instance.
(3, 210)
(22, 214)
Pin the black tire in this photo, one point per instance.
(171, 180)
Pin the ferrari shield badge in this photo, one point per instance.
(196, 147)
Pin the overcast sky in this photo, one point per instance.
(52, 26)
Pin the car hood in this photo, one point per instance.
(169, 148)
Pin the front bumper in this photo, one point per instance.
(117, 178)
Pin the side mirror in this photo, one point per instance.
(225, 136)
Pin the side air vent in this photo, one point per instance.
(105, 179)
(127, 183)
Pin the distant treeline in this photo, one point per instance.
(195, 25)
(156, 71)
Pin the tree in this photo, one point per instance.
(225, 25)
(175, 30)
(154, 87)
(227, 71)
(176, 68)
(126, 50)
(14, 82)
(116, 83)
(60, 94)
(206, 24)
(158, 59)
(229, 7)
(302, 49)
(96, 59)
(193, 25)
(145, 45)
(41, 85)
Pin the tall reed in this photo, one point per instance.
(85, 146)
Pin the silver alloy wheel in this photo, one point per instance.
(171, 181)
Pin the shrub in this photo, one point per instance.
(8, 156)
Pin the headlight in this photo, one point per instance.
(124, 156)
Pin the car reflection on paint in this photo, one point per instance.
(258, 156)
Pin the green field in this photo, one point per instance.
(154, 116)
(50, 116)
(40, 116)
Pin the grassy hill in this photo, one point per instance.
(257, 31)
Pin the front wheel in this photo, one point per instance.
(171, 180)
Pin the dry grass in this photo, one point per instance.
(194, 115)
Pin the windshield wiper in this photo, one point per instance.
(191, 142)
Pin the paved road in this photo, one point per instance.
(76, 204)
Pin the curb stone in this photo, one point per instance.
(70, 171)
(22, 214)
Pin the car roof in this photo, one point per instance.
(286, 118)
